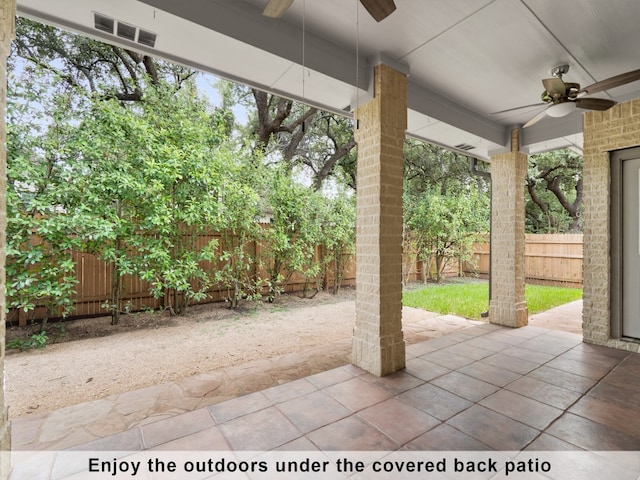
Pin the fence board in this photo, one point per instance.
(550, 259)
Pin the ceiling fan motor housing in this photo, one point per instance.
(571, 93)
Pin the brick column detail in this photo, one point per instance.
(7, 32)
(378, 342)
(508, 172)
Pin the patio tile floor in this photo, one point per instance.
(548, 392)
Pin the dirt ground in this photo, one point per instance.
(89, 358)
(92, 359)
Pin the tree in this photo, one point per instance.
(329, 150)
(339, 234)
(555, 196)
(439, 229)
(134, 184)
(436, 169)
(293, 234)
(170, 158)
(240, 211)
(40, 232)
(103, 70)
(446, 207)
(294, 135)
(135, 166)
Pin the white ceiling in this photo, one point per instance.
(465, 58)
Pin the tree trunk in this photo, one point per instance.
(439, 264)
(116, 292)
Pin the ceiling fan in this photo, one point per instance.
(378, 9)
(563, 97)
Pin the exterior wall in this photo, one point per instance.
(378, 343)
(7, 27)
(508, 170)
(613, 129)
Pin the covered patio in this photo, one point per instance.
(483, 388)
(438, 72)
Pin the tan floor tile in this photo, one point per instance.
(357, 394)
(351, 434)
(263, 430)
(210, 439)
(226, 411)
(313, 411)
(398, 420)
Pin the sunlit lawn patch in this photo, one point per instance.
(469, 300)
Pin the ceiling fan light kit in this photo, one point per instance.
(561, 109)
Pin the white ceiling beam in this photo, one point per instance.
(428, 103)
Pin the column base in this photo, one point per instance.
(509, 317)
(381, 357)
(5, 447)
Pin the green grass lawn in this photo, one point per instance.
(469, 300)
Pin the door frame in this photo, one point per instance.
(615, 237)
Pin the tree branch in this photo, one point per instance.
(328, 166)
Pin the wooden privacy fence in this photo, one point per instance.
(550, 259)
(95, 276)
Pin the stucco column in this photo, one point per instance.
(378, 342)
(7, 30)
(508, 172)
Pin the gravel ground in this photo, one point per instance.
(94, 359)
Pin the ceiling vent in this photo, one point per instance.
(146, 38)
(123, 30)
(126, 31)
(465, 146)
(104, 24)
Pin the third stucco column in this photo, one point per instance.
(508, 172)
(378, 342)
(7, 28)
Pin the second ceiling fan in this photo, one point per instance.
(378, 9)
(561, 97)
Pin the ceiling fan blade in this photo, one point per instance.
(612, 82)
(595, 103)
(554, 86)
(518, 108)
(276, 8)
(379, 9)
(536, 119)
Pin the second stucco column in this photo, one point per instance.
(508, 172)
(378, 342)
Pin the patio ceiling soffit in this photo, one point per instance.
(245, 23)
